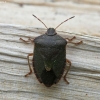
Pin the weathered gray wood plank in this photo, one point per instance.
(52, 1)
(86, 19)
(84, 75)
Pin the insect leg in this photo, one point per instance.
(30, 68)
(71, 38)
(70, 41)
(26, 41)
(77, 43)
(68, 61)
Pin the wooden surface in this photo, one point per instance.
(86, 19)
(84, 76)
(16, 21)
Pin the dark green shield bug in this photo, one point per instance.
(49, 56)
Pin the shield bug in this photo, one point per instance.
(49, 56)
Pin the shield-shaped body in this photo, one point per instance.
(49, 58)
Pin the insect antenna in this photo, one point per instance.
(40, 21)
(64, 21)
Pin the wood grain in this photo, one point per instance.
(84, 75)
(16, 21)
(52, 1)
(86, 19)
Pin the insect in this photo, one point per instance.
(49, 56)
